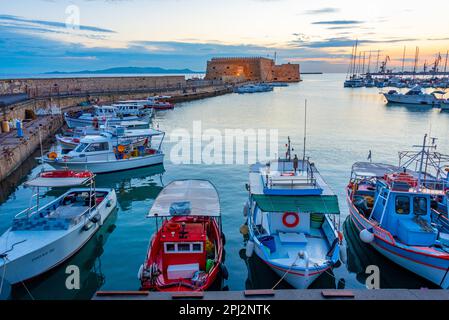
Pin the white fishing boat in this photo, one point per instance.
(43, 236)
(105, 114)
(111, 151)
(153, 102)
(70, 139)
(414, 96)
(292, 220)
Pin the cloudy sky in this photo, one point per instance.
(47, 35)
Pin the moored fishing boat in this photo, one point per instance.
(292, 220)
(153, 102)
(186, 252)
(43, 236)
(392, 212)
(105, 115)
(122, 149)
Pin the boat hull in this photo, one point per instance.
(77, 122)
(56, 252)
(430, 267)
(109, 166)
(298, 278)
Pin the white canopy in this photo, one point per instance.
(56, 182)
(199, 197)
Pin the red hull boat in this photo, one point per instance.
(186, 253)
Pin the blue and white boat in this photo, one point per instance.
(392, 211)
(253, 88)
(292, 217)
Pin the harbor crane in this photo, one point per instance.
(383, 65)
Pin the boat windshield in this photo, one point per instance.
(81, 147)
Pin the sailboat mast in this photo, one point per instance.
(445, 61)
(403, 60)
(422, 160)
(305, 132)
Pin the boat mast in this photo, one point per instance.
(403, 60)
(305, 134)
(348, 75)
(445, 62)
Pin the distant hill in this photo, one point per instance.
(127, 70)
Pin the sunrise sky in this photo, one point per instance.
(39, 35)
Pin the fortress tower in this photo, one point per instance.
(238, 69)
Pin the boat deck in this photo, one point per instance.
(289, 245)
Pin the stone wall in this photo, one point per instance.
(286, 73)
(250, 69)
(69, 86)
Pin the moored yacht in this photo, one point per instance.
(414, 96)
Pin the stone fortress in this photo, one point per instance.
(240, 69)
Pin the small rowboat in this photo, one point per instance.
(186, 252)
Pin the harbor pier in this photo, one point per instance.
(284, 294)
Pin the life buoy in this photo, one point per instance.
(290, 224)
(52, 155)
(121, 148)
(172, 226)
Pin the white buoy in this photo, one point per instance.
(366, 236)
(139, 273)
(343, 253)
(249, 248)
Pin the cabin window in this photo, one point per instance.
(101, 146)
(182, 247)
(197, 247)
(81, 147)
(169, 247)
(402, 205)
(420, 205)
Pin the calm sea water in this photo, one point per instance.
(343, 125)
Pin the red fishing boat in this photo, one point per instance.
(186, 252)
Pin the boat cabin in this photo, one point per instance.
(187, 249)
(395, 203)
(183, 245)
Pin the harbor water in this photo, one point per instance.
(343, 125)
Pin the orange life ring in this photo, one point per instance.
(290, 224)
(121, 148)
(172, 226)
(52, 155)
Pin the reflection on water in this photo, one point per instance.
(361, 255)
(133, 185)
(51, 285)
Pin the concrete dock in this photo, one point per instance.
(285, 294)
(14, 150)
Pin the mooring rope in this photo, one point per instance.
(286, 272)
